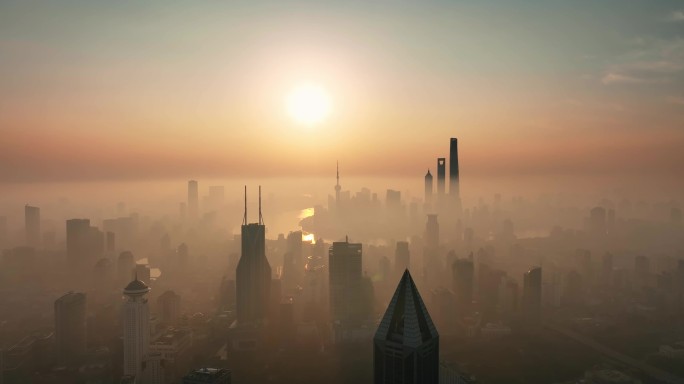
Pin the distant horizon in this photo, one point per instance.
(204, 89)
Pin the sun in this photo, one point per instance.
(308, 104)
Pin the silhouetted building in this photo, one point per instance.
(168, 305)
(110, 241)
(77, 240)
(153, 371)
(443, 310)
(32, 224)
(193, 200)
(253, 274)
(441, 175)
(125, 266)
(454, 188)
(338, 188)
(70, 327)
(402, 257)
(344, 261)
(428, 190)
(208, 376)
(431, 262)
(532, 294)
(142, 272)
(293, 263)
(406, 344)
(124, 229)
(463, 273)
(136, 327)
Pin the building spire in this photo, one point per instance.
(338, 172)
(261, 219)
(244, 218)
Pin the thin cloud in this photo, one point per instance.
(676, 16)
(651, 61)
(618, 78)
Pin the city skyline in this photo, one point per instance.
(184, 82)
(453, 192)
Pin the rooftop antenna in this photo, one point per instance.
(261, 219)
(244, 218)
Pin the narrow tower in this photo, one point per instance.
(338, 187)
(428, 189)
(454, 189)
(136, 327)
(406, 344)
(532, 294)
(253, 273)
(441, 174)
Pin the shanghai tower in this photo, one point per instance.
(454, 190)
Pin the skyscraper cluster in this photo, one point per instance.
(450, 202)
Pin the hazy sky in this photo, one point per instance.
(160, 89)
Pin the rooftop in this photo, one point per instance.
(136, 287)
(207, 374)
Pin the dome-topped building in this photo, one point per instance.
(136, 287)
(136, 327)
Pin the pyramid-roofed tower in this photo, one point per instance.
(406, 344)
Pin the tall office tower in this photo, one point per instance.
(428, 189)
(454, 188)
(431, 262)
(432, 232)
(32, 223)
(125, 266)
(193, 200)
(393, 199)
(70, 327)
(168, 306)
(293, 264)
(532, 294)
(77, 241)
(124, 228)
(338, 188)
(402, 257)
(136, 327)
(253, 273)
(463, 274)
(344, 261)
(153, 371)
(406, 344)
(441, 175)
(316, 278)
(110, 241)
(142, 272)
